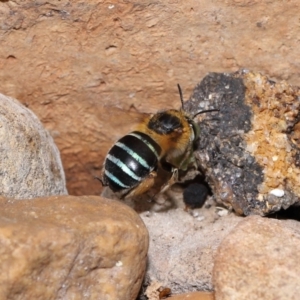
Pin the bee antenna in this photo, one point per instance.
(180, 94)
(199, 112)
(205, 111)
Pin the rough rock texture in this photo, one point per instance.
(182, 246)
(30, 162)
(193, 296)
(156, 292)
(81, 65)
(66, 247)
(249, 150)
(259, 259)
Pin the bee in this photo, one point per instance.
(164, 140)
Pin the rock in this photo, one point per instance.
(182, 246)
(81, 66)
(259, 259)
(193, 296)
(66, 247)
(30, 162)
(156, 292)
(250, 149)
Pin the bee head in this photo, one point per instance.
(166, 122)
(174, 122)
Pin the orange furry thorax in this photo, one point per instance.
(175, 142)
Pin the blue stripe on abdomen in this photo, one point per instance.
(130, 160)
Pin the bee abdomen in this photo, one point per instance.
(130, 160)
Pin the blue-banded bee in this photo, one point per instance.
(163, 140)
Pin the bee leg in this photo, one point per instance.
(170, 182)
(187, 160)
(164, 189)
(101, 180)
(143, 187)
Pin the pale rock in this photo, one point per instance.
(66, 247)
(30, 162)
(259, 259)
(277, 192)
(182, 248)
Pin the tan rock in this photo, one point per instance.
(259, 259)
(30, 162)
(68, 247)
(80, 66)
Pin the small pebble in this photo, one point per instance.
(222, 211)
(277, 192)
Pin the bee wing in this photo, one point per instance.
(111, 124)
(116, 122)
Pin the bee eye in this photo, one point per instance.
(195, 130)
(164, 123)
